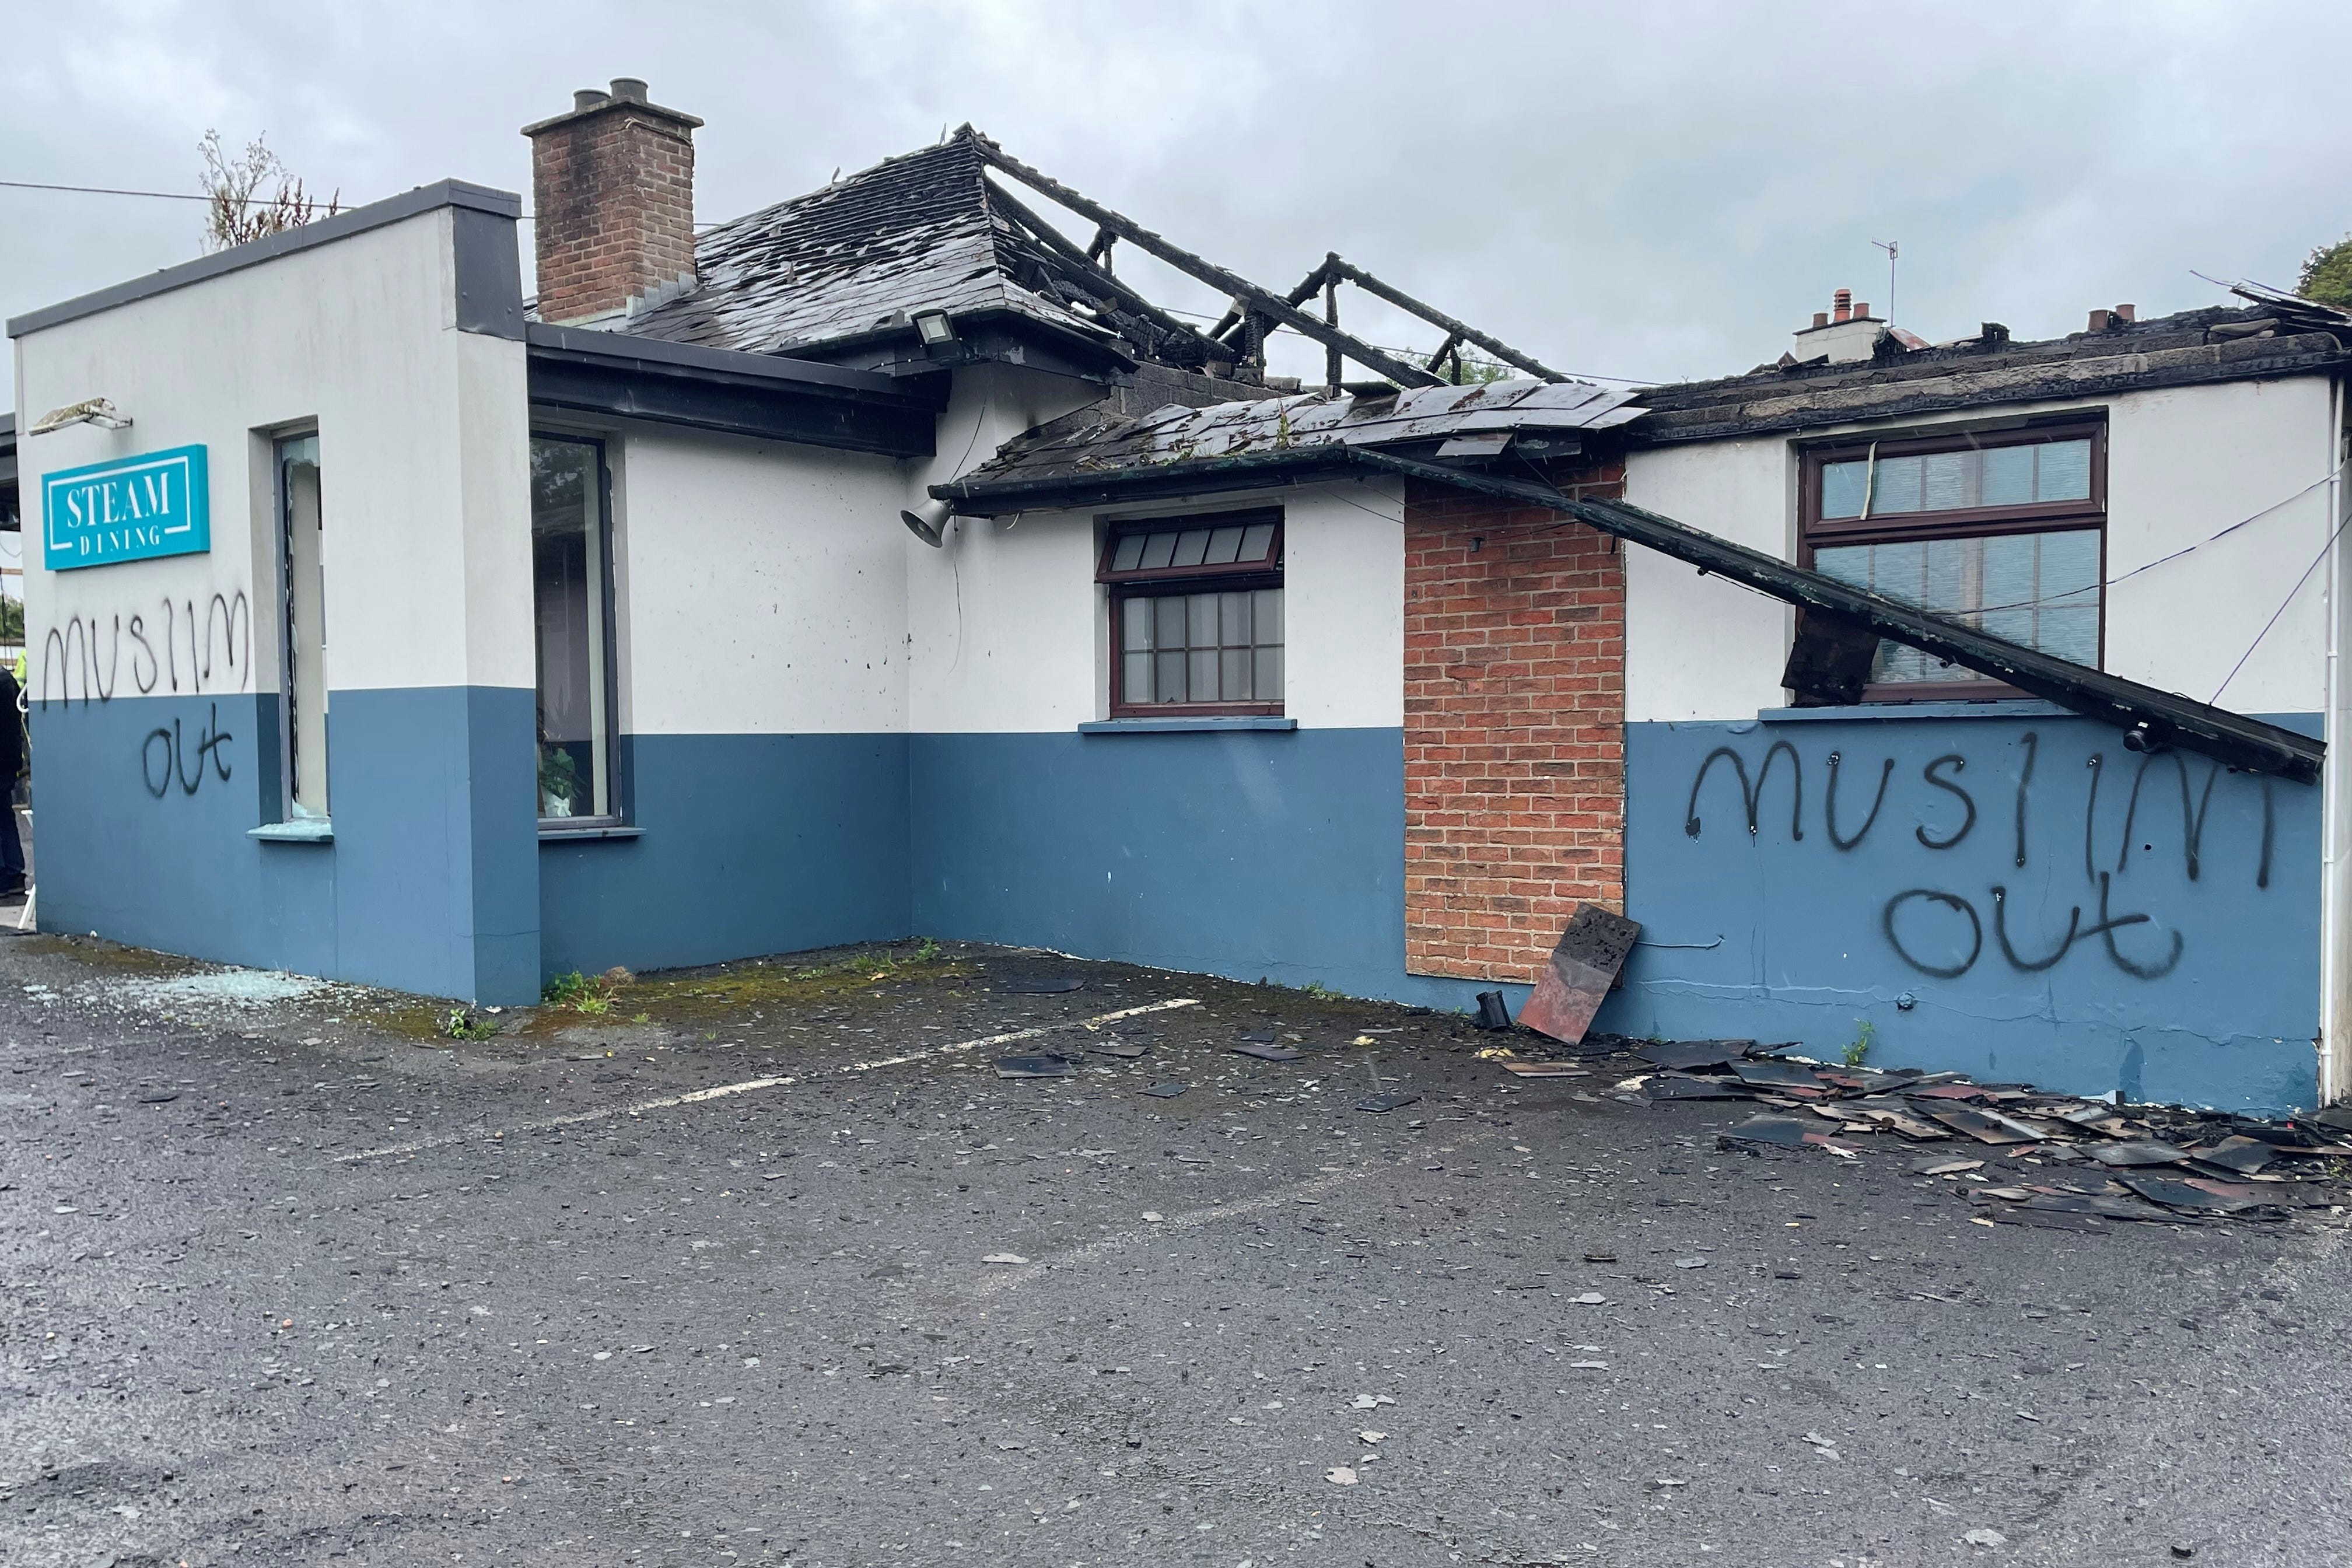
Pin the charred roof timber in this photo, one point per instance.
(1261, 300)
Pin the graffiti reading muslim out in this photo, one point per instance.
(1942, 932)
(205, 644)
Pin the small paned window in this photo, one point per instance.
(2002, 531)
(1196, 615)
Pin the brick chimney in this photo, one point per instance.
(612, 185)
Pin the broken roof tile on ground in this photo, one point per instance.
(2169, 1164)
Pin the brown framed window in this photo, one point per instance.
(1195, 614)
(2005, 530)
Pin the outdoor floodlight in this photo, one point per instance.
(934, 328)
(95, 411)
(929, 521)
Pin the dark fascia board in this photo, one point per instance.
(1150, 482)
(724, 390)
(660, 356)
(2152, 719)
(326, 231)
(994, 334)
(1783, 406)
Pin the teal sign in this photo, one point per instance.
(128, 510)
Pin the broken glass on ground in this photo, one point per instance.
(1034, 1067)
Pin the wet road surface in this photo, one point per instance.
(286, 1279)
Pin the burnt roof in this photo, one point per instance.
(2277, 337)
(855, 260)
(1097, 440)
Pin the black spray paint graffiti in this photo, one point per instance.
(160, 767)
(1946, 774)
(220, 637)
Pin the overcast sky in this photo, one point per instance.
(1656, 191)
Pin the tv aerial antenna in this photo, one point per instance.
(1894, 248)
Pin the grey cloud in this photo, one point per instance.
(1657, 192)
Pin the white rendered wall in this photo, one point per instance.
(1027, 649)
(1343, 607)
(2183, 464)
(761, 587)
(421, 459)
(1700, 648)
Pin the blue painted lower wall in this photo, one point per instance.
(2017, 897)
(1251, 853)
(752, 843)
(143, 806)
(2021, 898)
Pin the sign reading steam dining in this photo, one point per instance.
(130, 508)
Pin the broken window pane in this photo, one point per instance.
(569, 596)
(1962, 480)
(2041, 590)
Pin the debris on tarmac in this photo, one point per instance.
(1267, 1051)
(1034, 1067)
(2172, 1165)
(1167, 1090)
(1544, 1069)
(1577, 978)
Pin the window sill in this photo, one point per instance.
(2001, 707)
(573, 834)
(1187, 726)
(317, 831)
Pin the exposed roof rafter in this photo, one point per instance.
(1260, 300)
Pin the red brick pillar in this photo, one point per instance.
(1514, 727)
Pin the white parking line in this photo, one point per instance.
(1002, 1278)
(722, 1090)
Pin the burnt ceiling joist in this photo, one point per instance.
(2152, 719)
(1333, 270)
(1256, 300)
(1152, 330)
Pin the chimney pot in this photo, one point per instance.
(1842, 305)
(2127, 312)
(2098, 322)
(1820, 318)
(1861, 312)
(613, 185)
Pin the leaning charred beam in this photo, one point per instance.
(2149, 719)
(1260, 300)
(1101, 277)
(1334, 268)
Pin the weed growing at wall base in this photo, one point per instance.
(593, 997)
(1858, 1049)
(459, 1024)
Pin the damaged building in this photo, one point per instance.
(884, 563)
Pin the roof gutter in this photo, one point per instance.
(2152, 719)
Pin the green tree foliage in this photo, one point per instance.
(2328, 275)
